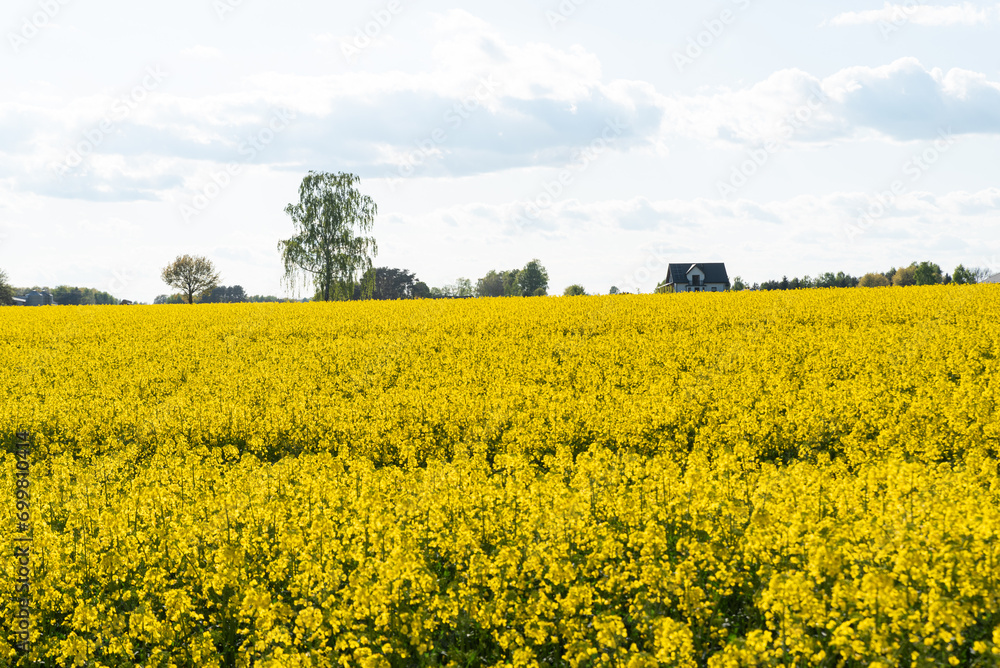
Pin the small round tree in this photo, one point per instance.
(191, 275)
(533, 280)
(874, 281)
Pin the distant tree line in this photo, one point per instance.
(332, 248)
(532, 280)
(827, 280)
(225, 295)
(917, 273)
(64, 295)
(70, 296)
(925, 273)
(221, 294)
(388, 283)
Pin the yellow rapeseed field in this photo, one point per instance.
(745, 479)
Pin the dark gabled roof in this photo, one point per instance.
(995, 278)
(715, 272)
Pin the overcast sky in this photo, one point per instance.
(604, 138)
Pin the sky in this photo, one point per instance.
(605, 139)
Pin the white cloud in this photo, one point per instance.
(485, 104)
(902, 100)
(755, 114)
(966, 14)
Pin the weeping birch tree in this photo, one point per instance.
(329, 247)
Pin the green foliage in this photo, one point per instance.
(970, 276)
(421, 291)
(738, 284)
(905, 277)
(270, 299)
(388, 283)
(927, 273)
(873, 281)
(490, 285)
(225, 295)
(838, 280)
(500, 284)
(250, 299)
(6, 291)
(329, 245)
(825, 280)
(511, 285)
(65, 295)
(462, 287)
(68, 296)
(533, 279)
(575, 290)
(175, 298)
(192, 275)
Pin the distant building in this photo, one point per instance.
(699, 277)
(995, 278)
(35, 298)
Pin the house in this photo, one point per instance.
(699, 277)
(995, 278)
